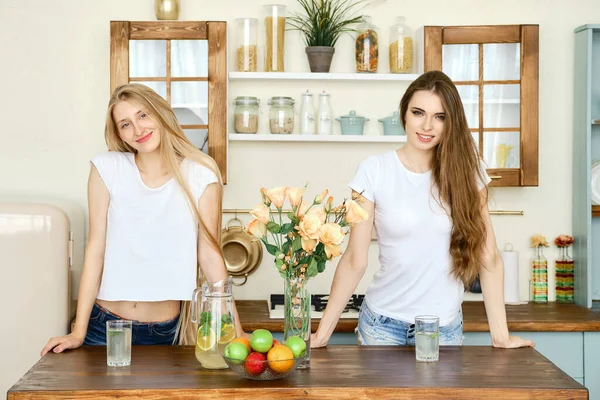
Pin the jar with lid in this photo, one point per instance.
(246, 33)
(367, 47)
(246, 114)
(274, 44)
(281, 115)
(401, 47)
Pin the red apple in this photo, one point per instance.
(255, 363)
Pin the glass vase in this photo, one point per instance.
(540, 276)
(297, 313)
(564, 276)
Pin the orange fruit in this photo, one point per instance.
(243, 341)
(281, 359)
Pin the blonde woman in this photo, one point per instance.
(428, 204)
(155, 215)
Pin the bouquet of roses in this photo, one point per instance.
(312, 234)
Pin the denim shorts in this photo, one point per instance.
(141, 333)
(375, 329)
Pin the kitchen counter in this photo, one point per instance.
(531, 317)
(349, 372)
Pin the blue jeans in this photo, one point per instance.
(375, 329)
(141, 333)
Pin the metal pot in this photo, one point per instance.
(242, 252)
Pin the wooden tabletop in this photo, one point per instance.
(350, 372)
(531, 317)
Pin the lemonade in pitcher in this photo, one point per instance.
(216, 326)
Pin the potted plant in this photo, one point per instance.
(322, 22)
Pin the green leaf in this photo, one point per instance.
(286, 246)
(278, 263)
(205, 318)
(226, 319)
(297, 244)
(312, 269)
(287, 228)
(273, 227)
(321, 265)
(272, 249)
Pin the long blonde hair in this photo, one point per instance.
(455, 170)
(174, 148)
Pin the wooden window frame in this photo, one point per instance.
(528, 37)
(215, 33)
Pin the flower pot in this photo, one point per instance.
(319, 58)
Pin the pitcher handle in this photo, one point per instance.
(194, 302)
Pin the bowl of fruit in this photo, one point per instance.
(262, 357)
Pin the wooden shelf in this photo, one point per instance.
(309, 76)
(596, 211)
(596, 122)
(243, 137)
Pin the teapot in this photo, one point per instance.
(215, 319)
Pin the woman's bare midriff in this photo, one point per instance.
(143, 311)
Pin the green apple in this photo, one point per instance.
(236, 352)
(261, 340)
(296, 345)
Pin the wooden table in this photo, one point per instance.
(531, 317)
(344, 372)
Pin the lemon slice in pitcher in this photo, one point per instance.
(206, 338)
(227, 333)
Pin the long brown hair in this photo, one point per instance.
(174, 148)
(455, 170)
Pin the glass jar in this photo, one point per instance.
(281, 115)
(216, 323)
(274, 44)
(401, 47)
(540, 276)
(246, 33)
(246, 114)
(367, 47)
(565, 274)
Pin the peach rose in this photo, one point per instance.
(331, 234)
(300, 211)
(319, 212)
(277, 195)
(355, 213)
(328, 203)
(333, 251)
(261, 213)
(319, 199)
(309, 227)
(265, 198)
(295, 195)
(257, 228)
(309, 245)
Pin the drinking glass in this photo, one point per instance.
(118, 343)
(427, 343)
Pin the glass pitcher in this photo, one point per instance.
(216, 325)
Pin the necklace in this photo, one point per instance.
(408, 159)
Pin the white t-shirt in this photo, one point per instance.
(413, 234)
(152, 233)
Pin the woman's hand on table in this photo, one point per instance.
(513, 342)
(60, 343)
(316, 341)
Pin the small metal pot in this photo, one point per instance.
(352, 124)
(242, 252)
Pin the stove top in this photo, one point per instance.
(318, 303)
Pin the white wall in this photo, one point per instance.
(55, 70)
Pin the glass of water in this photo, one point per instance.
(427, 346)
(118, 343)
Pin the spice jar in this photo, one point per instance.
(246, 114)
(275, 29)
(281, 115)
(367, 47)
(246, 32)
(401, 47)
